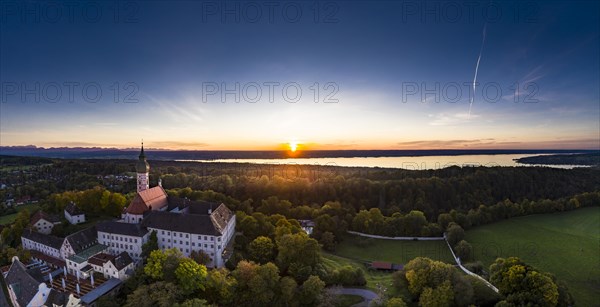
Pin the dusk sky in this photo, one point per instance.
(372, 61)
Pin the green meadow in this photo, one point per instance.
(566, 244)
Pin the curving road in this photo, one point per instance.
(367, 295)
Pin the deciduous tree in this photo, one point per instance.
(191, 276)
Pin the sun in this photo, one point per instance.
(293, 146)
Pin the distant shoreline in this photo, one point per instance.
(582, 159)
(172, 155)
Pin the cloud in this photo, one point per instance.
(176, 145)
(491, 143)
(443, 119)
(447, 143)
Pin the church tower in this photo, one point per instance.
(143, 169)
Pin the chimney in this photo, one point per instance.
(160, 182)
(210, 210)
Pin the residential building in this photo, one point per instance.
(45, 244)
(44, 222)
(123, 237)
(27, 287)
(120, 266)
(73, 214)
(197, 228)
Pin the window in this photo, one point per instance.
(187, 236)
(163, 239)
(212, 238)
(193, 244)
(219, 239)
(205, 245)
(180, 242)
(163, 232)
(181, 235)
(212, 246)
(205, 238)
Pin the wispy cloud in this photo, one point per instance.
(492, 143)
(443, 119)
(177, 145)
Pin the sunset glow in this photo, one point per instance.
(367, 91)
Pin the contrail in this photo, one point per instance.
(476, 69)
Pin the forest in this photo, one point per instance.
(274, 260)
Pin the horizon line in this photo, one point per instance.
(35, 147)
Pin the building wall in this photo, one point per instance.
(66, 250)
(41, 296)
(46, 250)
(43, 226)
(74, 267)
(133, 218)
(187, 242)
(142, 181)
(75, 219)
(111, 270)
(213, 246)
(118, 243)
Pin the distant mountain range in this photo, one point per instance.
(163, 154)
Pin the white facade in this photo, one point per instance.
(44, 249)
(44, 226)
(75, 219)
(109, 269)
(143, 181)
(66, 250)
(41, 296)
(132, 218)
(118, 243)
(74, 267)
(213, 246)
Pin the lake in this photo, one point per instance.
(411, 163)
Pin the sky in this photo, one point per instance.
(258, 75)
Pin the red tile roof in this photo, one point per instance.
(150, 199)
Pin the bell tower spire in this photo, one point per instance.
(143, 171)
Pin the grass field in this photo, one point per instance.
(565, 244)
(356, 251)
(373, 277)
(7, 219)
(367, 249)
